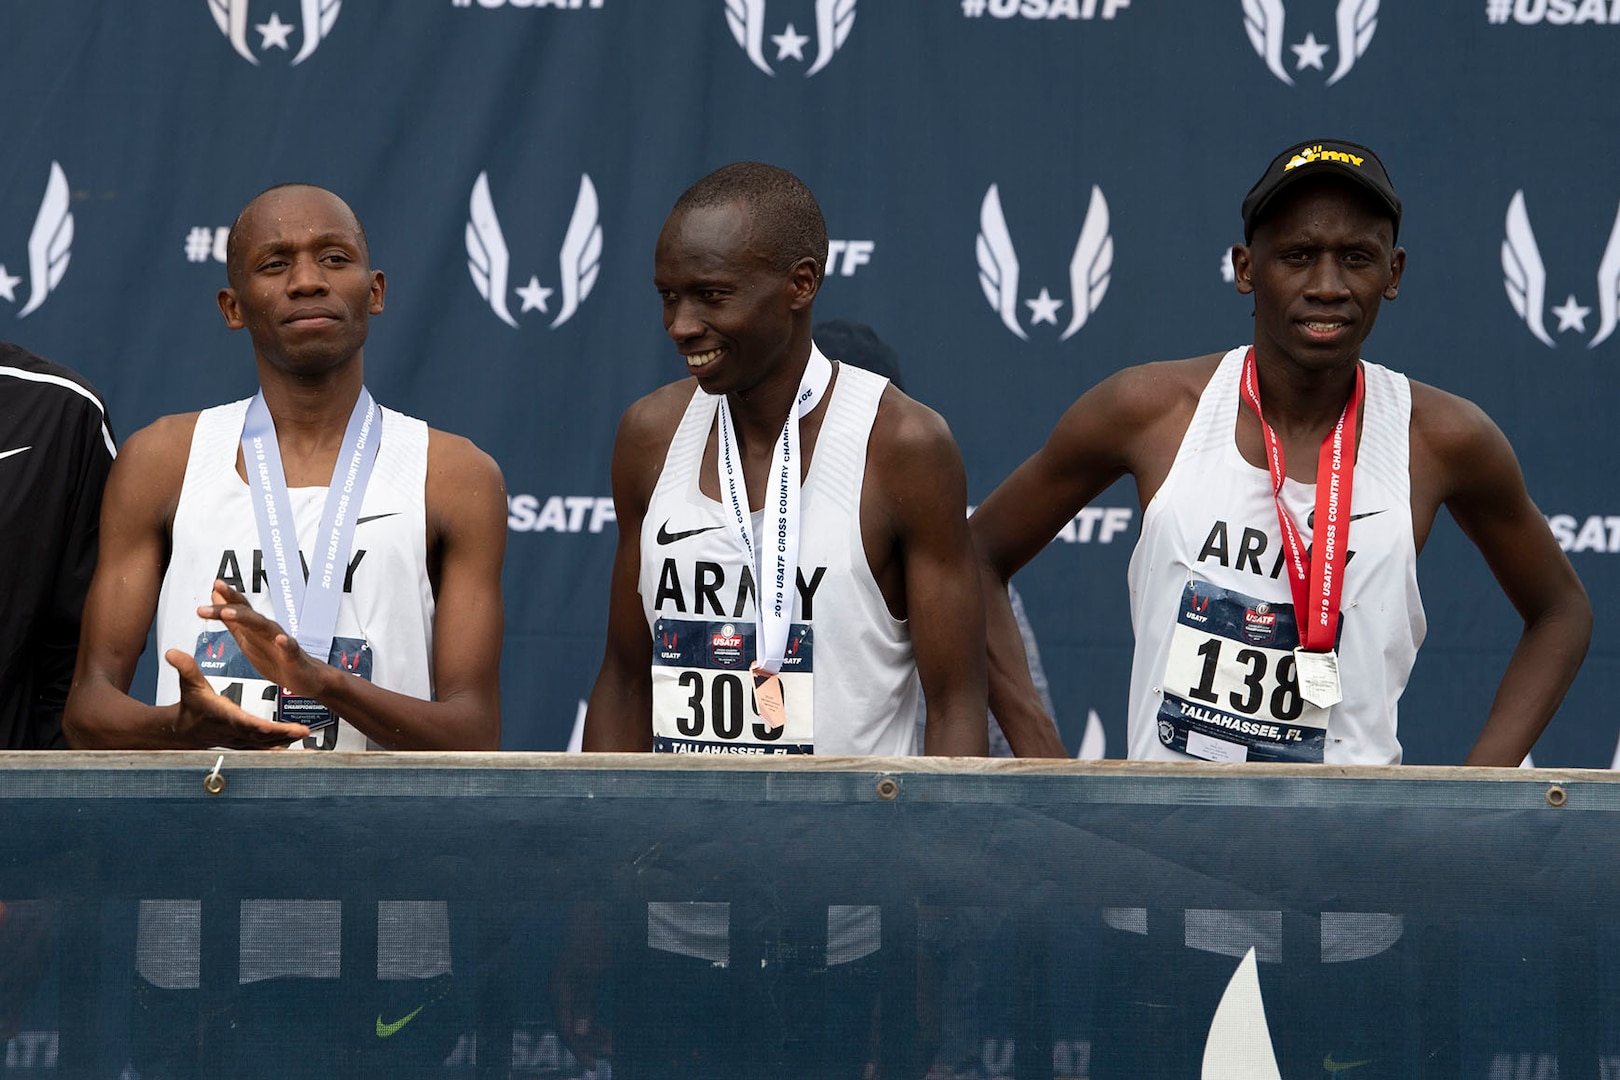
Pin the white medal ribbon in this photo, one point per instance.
(309, 609)
(776, 563)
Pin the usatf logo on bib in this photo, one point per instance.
(1259, 622)
(725, 647)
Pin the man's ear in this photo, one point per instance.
(379, 286)
(1397, 266)
(229, 308)
(804, 281)
(1242, 269)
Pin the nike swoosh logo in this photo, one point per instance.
(1328, 1064)
(12, 453)
(385, 1030)
(361, 521)
(1310, 519)
(667, 537)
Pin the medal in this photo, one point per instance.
(1318, 677)
(774, 557)
(768, 696)
(308, 603)
(1316, 579)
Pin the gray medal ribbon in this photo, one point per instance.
(309, 609)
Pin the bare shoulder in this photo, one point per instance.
(151, 466)
(651, 420)
(1453, 440)
(466, 493)
(1458, 452)
(906, 429)
(643, 440)
(1134, 417)
(456, 459)
(166, 440)
(1448, 426)
(1146, 393)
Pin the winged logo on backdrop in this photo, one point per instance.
(315, 20)
(1090, 269)
(1355, 21)
(489, 261)
(50, 246)
(834, 20)
(1524, 276)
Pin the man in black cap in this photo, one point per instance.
(1253, 643)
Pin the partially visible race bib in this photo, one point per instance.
(1231, 690)
(221, 661)
(703, 694)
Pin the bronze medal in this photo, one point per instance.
(768, 696)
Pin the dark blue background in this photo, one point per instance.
(161, 127)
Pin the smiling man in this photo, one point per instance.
(1252, 642)
(792, 549)
(793, 556)
(324, 573)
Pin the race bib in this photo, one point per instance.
(221, 661)
(703, 693)
(1231, 684)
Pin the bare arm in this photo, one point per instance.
(619, 714)
(466, 521)
(136, 512)
(1131, 423)
(917, 487)
(1477, 477)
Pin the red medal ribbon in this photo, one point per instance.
(1317, 588)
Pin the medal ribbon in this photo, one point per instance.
(776, 563)
(309, 609)
(1317, 588)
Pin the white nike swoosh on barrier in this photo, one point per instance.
(11, 453)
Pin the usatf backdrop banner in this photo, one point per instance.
(1023, 197)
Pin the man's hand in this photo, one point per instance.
(208, 718)
(273, 654)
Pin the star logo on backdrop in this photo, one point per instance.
(314, 23)
(1043, 308)
(833, 21)
(1524, 276)
(1571, 316)
(273, 34)
(50, 245)
(489, 261)
(790, 44)
(1090, 269)
(534, 296)
(1355, 22)
(1310, 53)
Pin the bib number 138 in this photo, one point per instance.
(1244, 679)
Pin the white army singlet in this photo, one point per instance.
(385, 620)
(849, 680)
(1212, 675)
